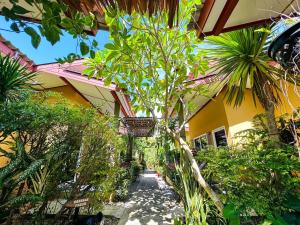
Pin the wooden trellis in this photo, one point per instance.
(139, 126)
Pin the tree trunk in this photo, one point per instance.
(271, 122)
(268, 101)
(196, 171)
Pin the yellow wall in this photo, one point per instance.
(69, 93)
(217, 113)
(4, 160)
(240, 118)
(210, 117)
(290, 97)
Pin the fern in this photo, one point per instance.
(34, 167)
(22, 199)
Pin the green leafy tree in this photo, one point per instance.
(14, 79)
(242, 63)
(152, 62)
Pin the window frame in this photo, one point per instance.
(214, 137)
(202, 135)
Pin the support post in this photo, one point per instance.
(129, 148)
(181, 120)
(117, 112)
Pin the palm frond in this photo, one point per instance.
(240, 59)
(14, 78)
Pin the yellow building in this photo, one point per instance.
(216, 123)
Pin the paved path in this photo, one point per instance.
(152, 202)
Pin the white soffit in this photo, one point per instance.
(214, 15)
(103, 106)
(246, 13)
(96, 95)
(34, 13)
(47, 80)
(250, 11)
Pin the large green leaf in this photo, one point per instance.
(35, 37)
(84, 49)
(19, 9)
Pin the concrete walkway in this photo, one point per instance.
(152, 202)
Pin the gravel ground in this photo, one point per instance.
(110, 221)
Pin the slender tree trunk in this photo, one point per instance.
(196, 171)
(271, 122)
(268, 101)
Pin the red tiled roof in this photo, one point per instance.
(7, 48)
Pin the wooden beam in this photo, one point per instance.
(204, 14)
(224, 16)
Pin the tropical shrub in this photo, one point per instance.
(256, 177)
(15, 78)
(13, 178)
(195, 206)
(135, 168)
(122, 187)
(58, 151)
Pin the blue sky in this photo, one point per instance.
(46, 52)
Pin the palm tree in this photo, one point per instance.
(14, 79)
(242, 62)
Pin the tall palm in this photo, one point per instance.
(14, 79)
(242, 62)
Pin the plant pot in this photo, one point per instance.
(285, 48)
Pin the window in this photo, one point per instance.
(201, 142)
(219, 136)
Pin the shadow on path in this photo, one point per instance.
(152, 202)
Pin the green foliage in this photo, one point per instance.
(231, 214)
(15, 79)
(255, 176)
(195, 206)
(241, 60)
(56, 134)
(150, 150)
(135, 168)
(122, 187)
(52, 20)
(13, 177)
(148, 58)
